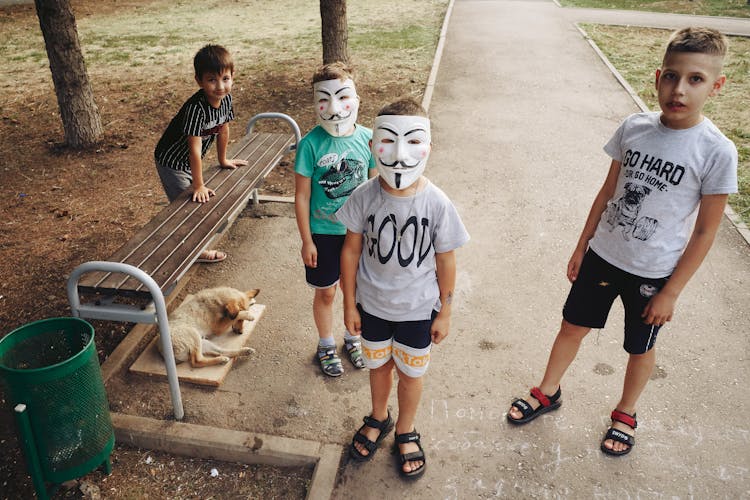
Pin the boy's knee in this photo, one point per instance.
(326, 295)
(569, 330)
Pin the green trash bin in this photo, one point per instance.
(53, 382)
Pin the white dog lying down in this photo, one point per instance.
(213, 311)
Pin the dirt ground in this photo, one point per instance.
(63, 207)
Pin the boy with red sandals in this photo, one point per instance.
(637, 241)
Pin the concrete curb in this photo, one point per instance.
(430, 86)
(730, 214)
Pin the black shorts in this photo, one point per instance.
(592, 294)
(329, 261)
(414, 334)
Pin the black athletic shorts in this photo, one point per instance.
(593, 292)
(328, 271)
(414, 334)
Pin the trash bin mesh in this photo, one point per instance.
(53, 369)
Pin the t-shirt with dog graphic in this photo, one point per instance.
(663, 174)
(336, 166)
(196, 118)
(396, 278)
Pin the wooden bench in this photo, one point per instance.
(151, 264)
(166, 247)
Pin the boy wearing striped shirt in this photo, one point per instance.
(203, 119)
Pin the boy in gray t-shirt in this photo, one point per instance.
(398, 271)
(671, 171)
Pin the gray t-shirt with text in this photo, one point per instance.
(664, 172)
(397, 279)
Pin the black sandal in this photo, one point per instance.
(618, 435)
(548, 403)
(410, 437)
(371, 446)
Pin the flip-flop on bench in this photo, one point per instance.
(151, 264)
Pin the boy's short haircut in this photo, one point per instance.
(698, 40)
(212, 59)
(333, 71)
(405, 107)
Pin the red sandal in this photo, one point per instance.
(618, 435)
(548, 403)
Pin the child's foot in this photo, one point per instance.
(619, 439)
(211, 256)
(353, 346)
(412, 461)
(367, 439)
(330, 363)
(522, 411)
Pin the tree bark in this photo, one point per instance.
(334, 31)
(78, 111)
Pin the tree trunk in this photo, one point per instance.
(334, 31)
(79, 114)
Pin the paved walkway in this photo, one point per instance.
(520, 110)
(728, 25)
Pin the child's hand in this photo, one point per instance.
(202, 194)
(234, 163)
(659, 309)
(574, 265)
(439, 329)
(310, 254)
(353, 320)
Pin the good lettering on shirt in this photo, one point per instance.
(408, 240)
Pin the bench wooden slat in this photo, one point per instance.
(153, 248)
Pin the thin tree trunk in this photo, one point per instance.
(78, 111)
(334, 31)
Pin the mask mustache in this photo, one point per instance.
(399, 164)
(337, 116)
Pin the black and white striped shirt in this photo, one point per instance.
(196, 118)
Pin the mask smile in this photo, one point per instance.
(336, 117)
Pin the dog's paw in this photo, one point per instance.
(224, 360)
(246, 351)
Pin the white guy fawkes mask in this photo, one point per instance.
(336, 105)
(401, 145)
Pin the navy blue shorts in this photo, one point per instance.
(592, 294)
(414, 334)
(408, 343)
(328, 271)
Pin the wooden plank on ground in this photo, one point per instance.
(151, 363)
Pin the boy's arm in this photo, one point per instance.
(221, 149)
(302, 188)
(661, 306)
(201, 193)
(595, 214)
(350, 255)
(445, 264)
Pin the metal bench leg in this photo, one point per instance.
(131, 314)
